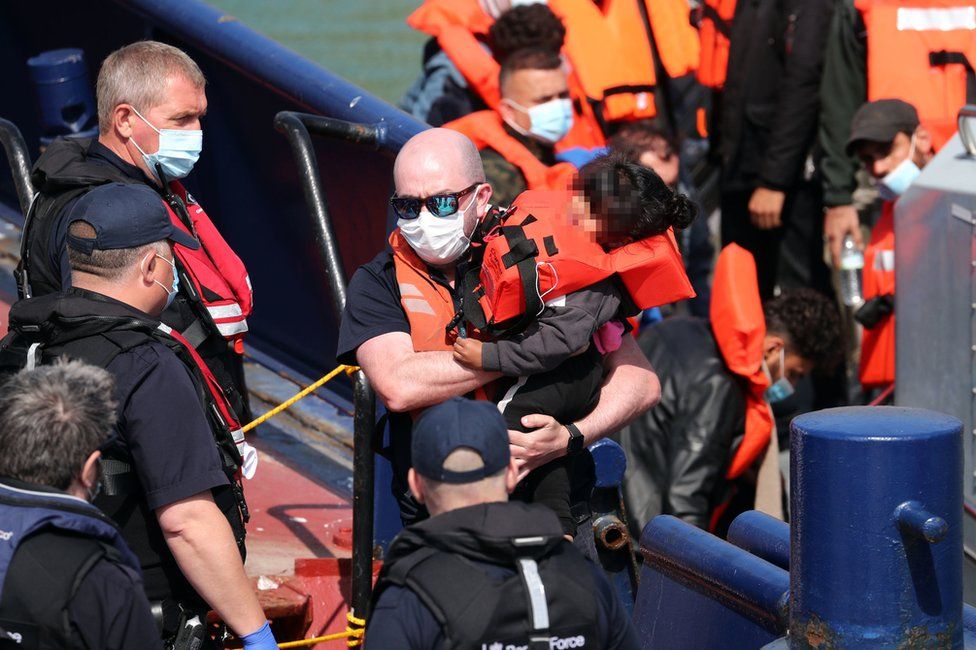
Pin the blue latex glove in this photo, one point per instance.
(579, 156)
(260, 639)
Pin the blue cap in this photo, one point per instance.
(457, 423)
(124, 216)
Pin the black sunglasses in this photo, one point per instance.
(439, 205)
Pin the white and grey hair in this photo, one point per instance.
(136, 75)
(52, 418)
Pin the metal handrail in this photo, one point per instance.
(299, 129)
(967, 128)
(20, 163)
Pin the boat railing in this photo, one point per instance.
(20, 162)
(299, 128)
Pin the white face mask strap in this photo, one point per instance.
(150, 124)
(515, 127)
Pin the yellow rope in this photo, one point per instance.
(287, 403)
(354, 632)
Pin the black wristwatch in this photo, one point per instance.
(576, 440)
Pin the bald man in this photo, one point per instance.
(400, 304)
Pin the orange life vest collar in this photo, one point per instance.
(537, 255)
(739, 327)
(434, 15)
(486, 130)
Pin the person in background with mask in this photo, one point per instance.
(400, 304)
(894, 147)
(89, 593)
(517, 142)
(171, 472)
(700, 455)
(151, 99)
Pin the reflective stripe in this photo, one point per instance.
(409, 290)
(537, 593)
(33, 355)
(165, 329)
(418, 306)
(233, 328)
(510, 393)
(936, 20)
(884, 260)
(238, 435)
(225, 311)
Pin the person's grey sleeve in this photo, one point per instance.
(557, 334)
(401, 620)
(109, 610)
(842, 91)
(795, 120)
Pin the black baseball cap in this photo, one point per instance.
(124, 215)
(457, 423)
(881, 121)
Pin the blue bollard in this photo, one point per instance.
(64, 94)
(876, 539)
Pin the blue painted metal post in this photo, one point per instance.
(876, 538)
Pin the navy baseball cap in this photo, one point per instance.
(124, 216)
(457, 423)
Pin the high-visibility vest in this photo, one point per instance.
(537, 254)
(486, 130)
(739, 327)
(878, 343)
(923, 51)
(714, 30)
(457, 26)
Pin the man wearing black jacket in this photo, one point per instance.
(771, 198)
(678, 453)
(151, 97)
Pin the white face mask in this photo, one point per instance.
(900, 178)
(438, 240)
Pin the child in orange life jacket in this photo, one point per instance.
(556, 362)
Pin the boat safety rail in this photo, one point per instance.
(20, 163)
(299, 128)
(353, 634)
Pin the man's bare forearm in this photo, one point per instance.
(203, 545)
(406, 380)
(631, 387)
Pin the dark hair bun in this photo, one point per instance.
(680, 210)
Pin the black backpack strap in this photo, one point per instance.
(44, 576)
(458, 594)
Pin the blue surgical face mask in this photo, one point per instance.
(781, 388)
(900, 178)
(549, 122)
(179, 150)
(170, 293)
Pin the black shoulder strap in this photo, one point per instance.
(33, 273)
(42, 580)
(459, 594)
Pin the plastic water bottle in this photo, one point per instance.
(851, 263)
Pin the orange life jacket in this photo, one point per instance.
(428, 305)
(714, 29)
(740, 328)
(878, 343)
(486, 130)
(923, 51)
(537, 255)
(676, 39)
(219, 278)
(623, 87)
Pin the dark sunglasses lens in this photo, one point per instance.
(406, 208)
(443, 205)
